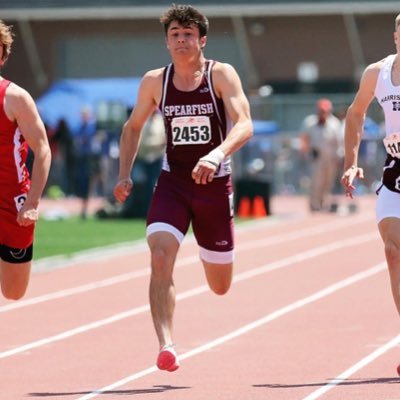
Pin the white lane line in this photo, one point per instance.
(356, 367)
(266, 242)
(302, 233)
(306, 255)
(103, 253)
(87, 287)
(139, 246)
(249, 327)
(286, 262)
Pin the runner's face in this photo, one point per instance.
(184, 40)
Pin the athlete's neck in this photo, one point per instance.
(188, 75)
(395, 73)
(188, 68)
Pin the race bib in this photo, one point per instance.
(392, 144)
(191, 130)
(19, 201)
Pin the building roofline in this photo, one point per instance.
(222, 10)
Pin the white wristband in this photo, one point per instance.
(214, 157)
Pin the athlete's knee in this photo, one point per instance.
(13, 293)
(220, 288)
(161, 261)
(15, 271)
(392, 253)
(219, 278)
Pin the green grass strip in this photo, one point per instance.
(67, 236)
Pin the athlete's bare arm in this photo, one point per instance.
(20, 107)
(355, 118)
(148, 97)
(228, 86)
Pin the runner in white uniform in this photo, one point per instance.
(382, 80)
(388, 96)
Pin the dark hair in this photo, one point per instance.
(397, 22)
(6, 39)
(185, 16)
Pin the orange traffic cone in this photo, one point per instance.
(259, 210)
(244, 210)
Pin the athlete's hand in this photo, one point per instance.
(123, 189)
(203, 172)
(27, 215)
(348, 178)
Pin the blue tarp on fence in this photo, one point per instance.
(66, 98)
(262, 127)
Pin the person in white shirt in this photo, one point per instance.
(322, 136)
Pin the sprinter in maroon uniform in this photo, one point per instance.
(20, 127)
(207, 118)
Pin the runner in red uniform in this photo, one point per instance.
(20, 127)
(207, 118)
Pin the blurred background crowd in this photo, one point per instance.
(299, 61)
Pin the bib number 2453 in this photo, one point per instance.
(191, 130)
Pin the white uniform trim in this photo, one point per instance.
(163, 227)
(216, 257)
(164, 95)
(388, 97)
(17, 155)
(387, 205)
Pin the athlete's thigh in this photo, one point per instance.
(218, 272)
(15, 274)
(14, 279)
(388, 214)
(15, 268)
(11, 233)
(213, 222)
(170, 207)
(389, 229)
(387, 204)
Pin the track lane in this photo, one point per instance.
(90, 300)
(119, 349)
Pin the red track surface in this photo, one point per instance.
(308, 317)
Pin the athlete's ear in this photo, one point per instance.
(203, 41)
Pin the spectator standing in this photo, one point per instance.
(322, 138)
(83, 142)
(147, 165)
(151, 152)
(65, 156)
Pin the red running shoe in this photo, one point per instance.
(167, 359)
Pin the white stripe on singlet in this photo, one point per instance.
(17, 155)
(165, 85)
(165, 164)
